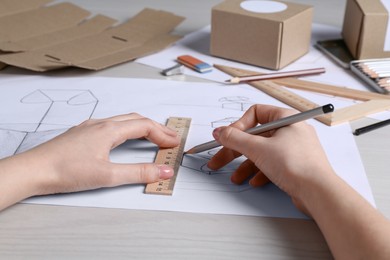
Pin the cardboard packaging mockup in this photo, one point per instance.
(365, 29)
(8, 7)
(269, 34)
(43, 37)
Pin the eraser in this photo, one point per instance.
(194, 63)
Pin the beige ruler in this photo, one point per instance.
(376, 102)
(329, 89)
(171, 157)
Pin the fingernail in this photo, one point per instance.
(209, 166)
(217, 133)
(165, 172)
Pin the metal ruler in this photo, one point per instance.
(171, 157)
(376, 102)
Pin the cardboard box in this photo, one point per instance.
(42, 38)
(271, 40)
(364, 29)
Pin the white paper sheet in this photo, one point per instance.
(39, 108)
(197, 44)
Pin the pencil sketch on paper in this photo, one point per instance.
(236, 103)
(217, 180)
(64, 109)
(43, 108)
(239, 103)
(224, 122)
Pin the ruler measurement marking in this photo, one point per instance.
(171, 157)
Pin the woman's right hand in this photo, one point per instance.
(290, 156)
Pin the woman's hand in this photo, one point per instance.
(287, 156)
(79, 159)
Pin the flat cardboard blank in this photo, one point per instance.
(59, 36)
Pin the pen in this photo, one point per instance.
(369, 128)
(276, 75)
(269, 126)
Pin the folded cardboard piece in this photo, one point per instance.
(8, 7)
(365, 29)
(58, 36)
(259, 36)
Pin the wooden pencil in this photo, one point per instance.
(375, 72)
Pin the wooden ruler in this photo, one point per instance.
(376, 102)
(171, 157)
(329, 89)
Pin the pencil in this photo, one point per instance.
(276, 75)
(269, 126)
(369, 128)
(375, 73)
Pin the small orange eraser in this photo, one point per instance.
(194, 63)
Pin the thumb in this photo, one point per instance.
(236, 140)
(139, 173)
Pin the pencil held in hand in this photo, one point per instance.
(285, 121)
(276, 75)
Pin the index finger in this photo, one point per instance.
(252, 117)
(147, 128)
(260, 114)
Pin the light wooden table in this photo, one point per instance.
(56, 232)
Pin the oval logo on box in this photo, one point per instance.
(258, 6)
